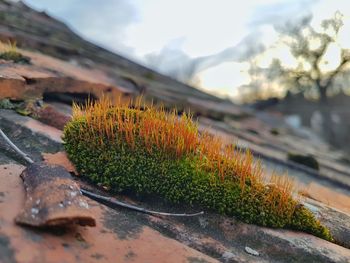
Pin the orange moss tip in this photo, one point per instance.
(178, 135)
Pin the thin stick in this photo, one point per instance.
(96, 196)
(14, 147)
(140, 209)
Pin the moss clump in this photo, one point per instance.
(15, 57)
(6, 104)
(149, 75)
(151, 152)
(303, 220)
(9, 51)
(274, 131)
(306, 160)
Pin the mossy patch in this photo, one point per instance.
(6, 104)
(15, 57)
(9, 51)
(306, 160)
(151, 152)
(274, 131)
(149, 75)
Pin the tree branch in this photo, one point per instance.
(113, 201)
(336, 71)
(15, 148)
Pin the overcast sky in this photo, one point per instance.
(205, 39)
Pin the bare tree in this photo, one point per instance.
(310, 48)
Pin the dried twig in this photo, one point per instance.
(113, 201)
(97, 197)
(14, 147)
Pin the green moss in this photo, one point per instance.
(113, 163)
(15, 57)
(6, 104)
(274, 131)
(23, 112)
(149, 75)
(306, 160)
(304, 220)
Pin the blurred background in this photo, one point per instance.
(284, 56)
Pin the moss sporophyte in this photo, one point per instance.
(8, 51)
(150, 151)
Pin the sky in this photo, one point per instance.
(207, 42)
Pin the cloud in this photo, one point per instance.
(102, 22)
(266, 17)
(107, 23)
(176, 63)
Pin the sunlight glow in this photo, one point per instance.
(331, 59)
(136, 28)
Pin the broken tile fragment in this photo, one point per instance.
(52, 198)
